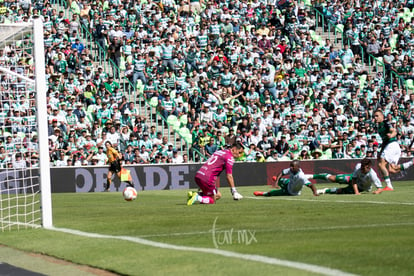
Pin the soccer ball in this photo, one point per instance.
(129, 194)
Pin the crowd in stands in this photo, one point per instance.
(238, 71)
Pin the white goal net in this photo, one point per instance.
(22, 102)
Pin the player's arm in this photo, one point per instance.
(276, 183)
(313, 188)
(377, 182)
(230, 180)
(355, 186)
(235, 194)
(392, 133)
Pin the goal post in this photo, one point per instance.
(25, 185)
(41, 102)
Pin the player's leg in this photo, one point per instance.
(322, 176)
(393, 166)
(339, 178)
(209, 193)
(108, 181)
(342, 178)
(204, 199)
(396, 168)
(347, 190)
(389, 158)
(327, 191)
(283, 182)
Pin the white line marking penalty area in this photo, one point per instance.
(248, 257)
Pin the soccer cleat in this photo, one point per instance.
(388, 189)
(258, 193)
(237, 196)
(193, 199)
(322, 191)
(106, 187)
(190, 194)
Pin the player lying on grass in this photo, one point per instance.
(361, 180)
(207, 175)
(291, 186)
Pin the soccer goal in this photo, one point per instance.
(25, 194)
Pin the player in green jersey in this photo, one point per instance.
(390, 152)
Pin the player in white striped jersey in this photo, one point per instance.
(361, 180)
(291, 186)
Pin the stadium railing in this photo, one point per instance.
(374, 64)
(175, 131)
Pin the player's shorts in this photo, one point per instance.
(391, 153)
(115, 166)
(208, 189)
(349, 190)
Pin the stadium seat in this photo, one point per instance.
(409, 84)
(327, 154)
(183, 120)
(122, 64)
(139, 87)
(184, 131)
(362, 80)
(312, 34)
(339, 28)
(173, 122)
(153, 102)
(186, 135)
(284, 158)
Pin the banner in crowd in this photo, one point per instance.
(172, 177)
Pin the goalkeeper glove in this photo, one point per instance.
(236, 195)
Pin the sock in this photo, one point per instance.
(323, 176)
(276, 192)
(205, 199)
(331, 191)
(388, 181)
(130, 183)
(108, 183)
(406, 165)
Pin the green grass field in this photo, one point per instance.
(364, 235)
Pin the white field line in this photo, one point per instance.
(291, 198)
(323, 228)
(249, 257)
